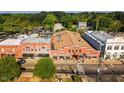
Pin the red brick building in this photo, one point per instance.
(36, 47)
(11, 47)
(68, 45)
(32, 47)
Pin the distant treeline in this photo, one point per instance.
(107, 21)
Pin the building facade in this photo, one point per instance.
(111, 46)
(69, 45)
(115, 48)
(11, 47)
(36, 47)
(26, 46)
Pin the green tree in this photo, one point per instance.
(67, 20)
(76, 78)
(45, 68)
(49, 21)
(9, 69)
(38, 17)
(115, 25)
(104, 23)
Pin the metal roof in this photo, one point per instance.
(100, 35)
(36, 40)
(10, 42)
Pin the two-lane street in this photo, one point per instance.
(88, 68)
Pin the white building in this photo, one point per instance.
(58, 26)
(114, 47)
(111, 46)
(82, 25)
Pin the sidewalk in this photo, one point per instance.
(65, 62)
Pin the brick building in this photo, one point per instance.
(36, 47)
(69, 45)
(26, 46)
(11, 47)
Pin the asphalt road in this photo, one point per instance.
(88, 68)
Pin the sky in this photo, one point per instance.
(14, 12)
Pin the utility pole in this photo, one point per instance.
(98, 67)
(98, 72)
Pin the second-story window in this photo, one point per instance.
(43, 47)
(116, 47)
(2, 50)
(27, 49)
(13, 49)
(122, 47)
(109, 48)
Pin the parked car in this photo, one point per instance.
(21, 61)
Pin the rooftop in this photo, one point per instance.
(68, 39)
(36, 40)
(10, 42)
(117, 34)
(100, 35)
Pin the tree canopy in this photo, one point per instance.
(49, 21)
(9, 69)
(45, 68)
(15, 23)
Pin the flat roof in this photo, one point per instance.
(36, 40)
(68, 39)
(117, 34)
(10, 42)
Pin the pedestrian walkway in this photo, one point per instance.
(65, 62)
(112, 61)
(26, 74)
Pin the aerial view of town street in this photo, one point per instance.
(61, 46)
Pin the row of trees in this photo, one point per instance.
(14, 23)
(9, 68)
(45, 69)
